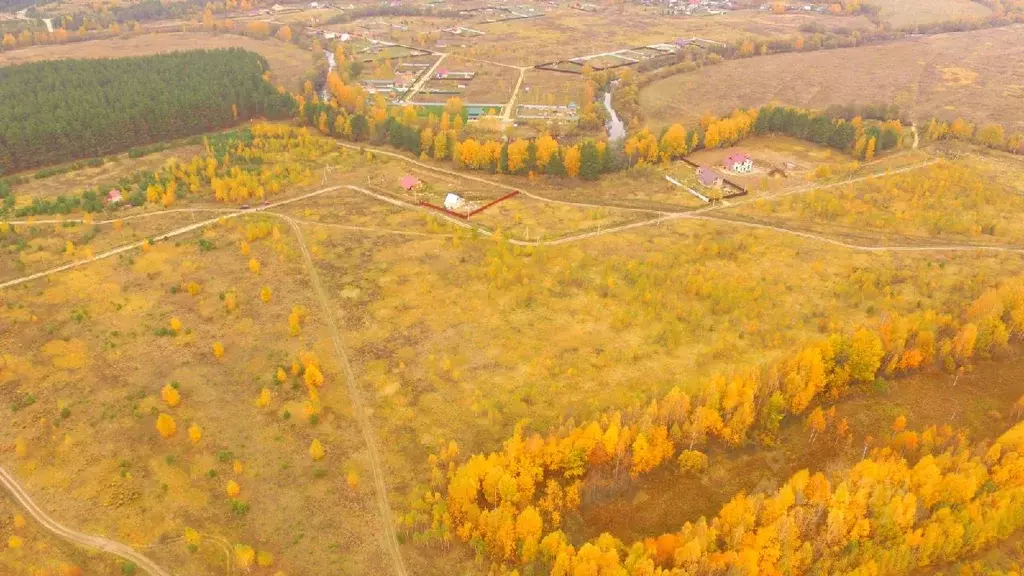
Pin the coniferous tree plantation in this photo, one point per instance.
(58, 111)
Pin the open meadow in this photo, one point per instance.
(564, 33)
(907, 13)
(250, 434)
(757, 317)
(970, 74)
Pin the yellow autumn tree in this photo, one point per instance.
(263, 400)
(265, 294)
(232, 489)
(313, 377)
(572, 161)
(254, 266)
(165, 425)
(195, 433)
(316, 450)
(175, 325)
(244, 556)
(170, 395)
(218, 350)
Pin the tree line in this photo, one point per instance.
(351, 115)
(57, 111)
(507, 504)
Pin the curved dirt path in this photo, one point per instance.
(164, 236)
(118, 549)
(380, 487)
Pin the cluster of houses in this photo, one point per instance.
(737, 163)
(696, 7)
(819, 8)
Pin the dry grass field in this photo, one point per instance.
(84, 354)
(946, 202)
(452, 334)
(972, 74)
(906, 13)
(288, 64)
(564, 33)
(551, 88)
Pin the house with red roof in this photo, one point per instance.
(409, 182)
(739, 162)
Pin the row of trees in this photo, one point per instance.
(57, 111)
(483, 500)
(991, 135)
(351, 115)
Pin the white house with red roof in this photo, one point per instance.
(739, 162)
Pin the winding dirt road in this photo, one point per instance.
(118, 549)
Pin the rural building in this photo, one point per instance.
(453, 201)
(114, 196)
(739, 162)
(708, 177)
(410, 182)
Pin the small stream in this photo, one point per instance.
(616, 128)
(331, 64)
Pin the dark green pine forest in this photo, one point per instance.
(52, 112)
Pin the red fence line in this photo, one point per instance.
(474, 212)
(492, 203)
(445, 210)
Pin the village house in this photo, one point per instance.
(708, 177)
(739, 162)
(114, 196)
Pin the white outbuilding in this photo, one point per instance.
(453, 201)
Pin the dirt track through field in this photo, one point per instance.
(380, 486)
(89, 541)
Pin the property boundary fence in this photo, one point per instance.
(474, 212)
(739, 190)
